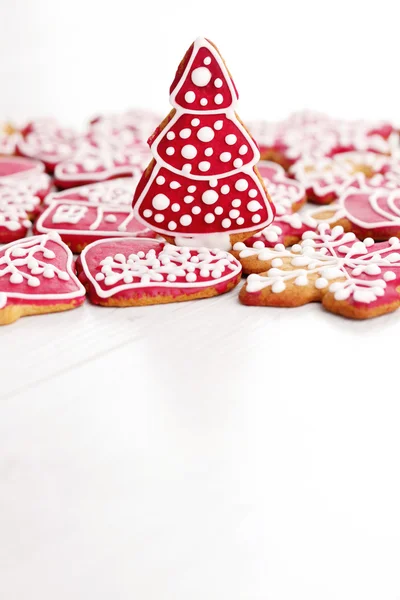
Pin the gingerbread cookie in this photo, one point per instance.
(372, 209)
(80, 223)
(127, 127)
(312, 135)
(115, 192)
(352, 278)
(137, 272)
(37, 276)
(100, 162)
(47, 141)
(202, 188)
(326, 179)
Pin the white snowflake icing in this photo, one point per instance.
(329, 255)
(191, 267)
(27, 256)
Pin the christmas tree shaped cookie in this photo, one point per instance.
(202, 187)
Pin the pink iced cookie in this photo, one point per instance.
(116, 192)
(80, 223)
(325, 179)
(100, 162)
(37, 276)
(137, 272)
(48, 142)
(283, 190)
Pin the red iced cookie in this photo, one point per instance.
(80, 223)
(136, 272)
(37, 276)
(203, 188)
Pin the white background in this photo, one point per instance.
(205, 450)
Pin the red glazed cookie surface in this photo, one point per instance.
(203, 187)
(37, 276)
(135, 272)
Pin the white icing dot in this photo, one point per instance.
(231, 139)
(216, 274)
(207, 60)
(238, 163)
(389, 275)
(174, 185)
(234, 214)
(218, 210)
(219, 99)
(240, 221)
(243, 149)
(213, 182)
(226, 223)
(209, 197)
(175, 207)
(320, 283)
(225, 156)
(205, 134)
(218, 125)
(170, 150)
(196, 210)
(185, 133)
(201, 76)
(191, 189)
(209, 218)
(172, 225)
(253, 205)
(159, 218)
(195, 122)
(252, 193)
(185, 220)
(110, 219)
(241, 185)
(256, 218)
(218, 82)
(225, 189)
(190, 97)
(208, 151)
(236, 203)
(191, 277)
(16, 278)
(170, 135)
(171, 276)
(160, 202)
(147, 213)
(187, 168)
(188, 151)
(188, 199)
(160, 180)
(204, 101)
(204, 165)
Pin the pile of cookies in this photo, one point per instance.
(185, 213)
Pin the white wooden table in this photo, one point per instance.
(200, 451)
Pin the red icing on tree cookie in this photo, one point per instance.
(203, 185)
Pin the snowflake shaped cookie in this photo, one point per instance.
(351, 278)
